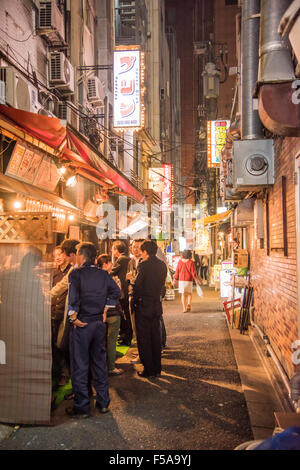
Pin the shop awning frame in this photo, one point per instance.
(13, 185)
(217, 219)
(48, 134)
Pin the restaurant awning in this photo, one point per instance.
(15, 186)
(68, 144)
(47, 129)
(217, 218)
(86, 154)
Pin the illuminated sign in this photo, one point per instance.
(216, 139)
(156, 179)
(127, 88)
(166, 196)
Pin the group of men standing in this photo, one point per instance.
(89, 292)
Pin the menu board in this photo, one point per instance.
(47, 175)
(15, 160)
(32, 167)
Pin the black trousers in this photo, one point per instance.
(204, 272)
(58, 359)
(126, 327)
(163, 333)
(148, 330)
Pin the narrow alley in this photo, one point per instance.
(196, 404)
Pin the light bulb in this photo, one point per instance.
(71, 182)
(17, 205)
(62, 170)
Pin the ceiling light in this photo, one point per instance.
(17, 205)
(71, 182)
(62, 170)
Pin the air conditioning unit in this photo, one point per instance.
(253, 164)
(61, 74)
(19, 92)
(65, 112)
(95, 91)
(51, 21)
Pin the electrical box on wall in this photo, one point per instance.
(253, 164)
(240, 258)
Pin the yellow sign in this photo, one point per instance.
(216, 139)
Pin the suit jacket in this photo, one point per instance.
(149, 286)
(120, 269)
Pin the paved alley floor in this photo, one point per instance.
(196, 404)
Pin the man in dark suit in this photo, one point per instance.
(148, 289)
(119, 269)
(91, 292)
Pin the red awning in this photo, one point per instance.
(45, 128)
(50, 131)
(87, 155)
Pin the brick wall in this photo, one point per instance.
(274, 277)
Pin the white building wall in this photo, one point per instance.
(18, 37)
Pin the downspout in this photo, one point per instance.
(276, 75)
(251, 127)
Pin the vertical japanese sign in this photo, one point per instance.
(216, 139)
(127, 88)
(166, 196)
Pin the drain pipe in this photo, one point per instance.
(251, 126)
(276, 73)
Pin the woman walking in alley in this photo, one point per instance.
(185, 274)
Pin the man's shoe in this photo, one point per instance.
(102, 409)
(73, 413)
(69, 396)
(115, 372)
(135, 360)
(143, 374)
(124, 343)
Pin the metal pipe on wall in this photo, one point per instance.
(251, 127)
(275, 61)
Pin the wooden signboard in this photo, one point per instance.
(33, 167)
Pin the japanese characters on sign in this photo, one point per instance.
(127, 88)
(156, 179)
(216, 138)
(166, 196)
(32, 167)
